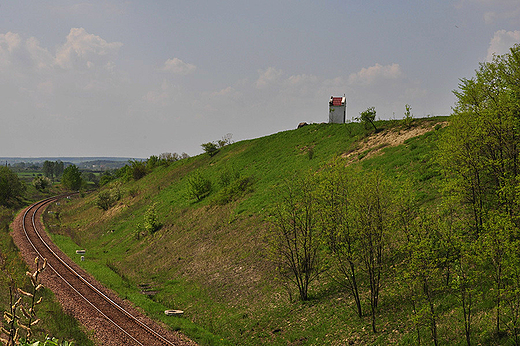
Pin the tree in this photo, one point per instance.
(368, 116)
(480, 149)
(58, 168)
(11, 188)
(296, 236)
(479, 155)
(335, 196)
(408, 116)
(210, 148)
(198, 186)
(41, 183)
(138, 169)
(105, 200)
(48, 169)
(151, 220)
(372, 219)
(71, 178)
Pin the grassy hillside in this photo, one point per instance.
(210, 257)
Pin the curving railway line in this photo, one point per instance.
(112, 320)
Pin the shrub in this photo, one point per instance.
(139, 169)
(106, 178)
(210, 148)
(105, 200)
(227, 176)
(408, 116)
(198, 186)
(11, 188)
(234, 190)
(71, 178)
(41, 183)
(151, 221)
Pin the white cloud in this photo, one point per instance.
(86, 50)
(268, 77)
(495, 11)
(177, 66)
(10, 41)
(501, 42)
(369, 75)
(41, 57)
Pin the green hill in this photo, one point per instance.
(211, 257)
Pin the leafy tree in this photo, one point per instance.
(41, 183)
(72, 178)
(198, 186)
(335, 195)
(106, 200)
(408, 116)
(58, 168)
(480, 149)
(11, 188)
(210, 148)
(151, 220)
(139, 169)
(372, 217)
(48, 169)
(368, 116)
(152, 162)
(53, 169)
(422, 270)
(106, 178)
(296, 237)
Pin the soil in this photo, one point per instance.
(375, 143)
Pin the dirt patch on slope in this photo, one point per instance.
(388, 138)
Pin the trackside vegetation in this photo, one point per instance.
(401, 232)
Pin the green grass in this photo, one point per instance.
(210, 260)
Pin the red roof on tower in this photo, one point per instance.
(336, 101)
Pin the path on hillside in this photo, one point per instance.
(111, 320)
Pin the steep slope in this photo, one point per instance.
(210, 257)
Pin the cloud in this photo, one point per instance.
(41, 57)
(372, 74)
(267, 77)
(84, 50)
(495, 11)
(501, 42)
(177, 66)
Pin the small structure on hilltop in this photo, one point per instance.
(337, 109)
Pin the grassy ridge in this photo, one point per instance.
(210, 259)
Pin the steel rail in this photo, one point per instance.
(39, 205)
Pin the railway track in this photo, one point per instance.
(114, 323)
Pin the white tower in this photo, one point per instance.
(337, 109)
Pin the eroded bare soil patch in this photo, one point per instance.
(388, 138)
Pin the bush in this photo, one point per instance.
(227, 176)
(11, 188)
(106, 178)
(198, 186)
(210, 148)
(138, 169)
(41, 183)
(105, 200)
(234, 190)
(151, 221)
(71, 178)
(408, 116)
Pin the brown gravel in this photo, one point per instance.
(100, 330)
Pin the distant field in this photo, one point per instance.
(28, 175)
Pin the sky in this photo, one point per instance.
(141, 78)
